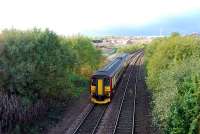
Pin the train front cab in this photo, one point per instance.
(101, 89)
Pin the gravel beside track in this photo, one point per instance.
(143, 116)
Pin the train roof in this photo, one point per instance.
(112, 67)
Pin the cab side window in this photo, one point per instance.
(106, 82)
(94, 82)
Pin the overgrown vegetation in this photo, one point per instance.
(173, 75)
(37, 67)
(130, 48)
(89, 57)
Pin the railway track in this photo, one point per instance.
(91, 121)
(125, 122)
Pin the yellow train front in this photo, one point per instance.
(104, 80)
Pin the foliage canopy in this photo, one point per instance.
(173, 66)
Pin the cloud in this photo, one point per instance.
(73, 16)
(184, 24)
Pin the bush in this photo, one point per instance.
(37, 67)
(129, 48)
(185, 111)
(89, 57)
(172, 65)
(36, 64)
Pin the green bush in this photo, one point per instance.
(36, 64)
(88, 56)
(129, 48)
(172, 65)
(185, 111)
(38, 67)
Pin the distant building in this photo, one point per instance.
(110, 41)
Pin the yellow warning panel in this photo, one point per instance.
(100, 87)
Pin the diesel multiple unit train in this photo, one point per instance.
(105, 79)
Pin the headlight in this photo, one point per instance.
(93, 89)
(107, 89)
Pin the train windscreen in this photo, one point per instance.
(94, 81)
(106, 81)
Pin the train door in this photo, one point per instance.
(100, 87)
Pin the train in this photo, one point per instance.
(104, 81)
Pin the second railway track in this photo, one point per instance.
(125, 122)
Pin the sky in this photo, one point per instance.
(102, 17)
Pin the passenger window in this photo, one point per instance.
(106, 82)
(94, 81)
